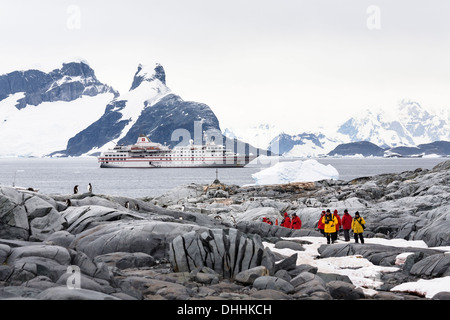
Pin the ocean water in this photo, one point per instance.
(60, 175)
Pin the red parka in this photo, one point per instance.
(320, 224)
(286, 221)
(296, 222)
(335, 214)
(346, 221)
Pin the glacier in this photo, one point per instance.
(37, 131)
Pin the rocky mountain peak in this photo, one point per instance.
(68, 83)
(148, 73)
(75, 69)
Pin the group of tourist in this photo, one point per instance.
(287, 222)
(329, 224)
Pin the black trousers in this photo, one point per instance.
(331, 237)
(347, 234)
(360, 236)
(334, 236)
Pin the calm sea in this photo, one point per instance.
(60, 175)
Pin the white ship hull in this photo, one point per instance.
(146, 154)
(151, 163)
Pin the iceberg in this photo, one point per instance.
(295, 171)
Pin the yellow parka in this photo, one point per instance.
(357, 225)
(329, 223)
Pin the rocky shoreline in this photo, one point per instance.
(208, 242)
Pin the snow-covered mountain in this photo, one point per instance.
(424, 126)
(302, 145)
(69, 112)
(378, 127)
(40, 111)
(259, 136)
(150, 108)
(407, 125)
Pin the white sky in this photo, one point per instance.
(297, 64)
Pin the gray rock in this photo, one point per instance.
(64, 293)
(150, 237)
(302, 268)
(270, 294)
(85, 283)
(13, 215)
(26, 268)
(437, 265)
(283, 274)
(329, 277)
(205, 275)
(60, 238)
(5, 251)
(40, 282)
(387, 296)
(18, 292)
(5, 272)
(58, 254)
(248, 276)
(411, 260)
(302, 278)
(140, 287)
(124, 260)
(445, 295)
(344, 291)
(266, 230)
(91, 268)
(287, 264)
(377, 254)
(226, 251)
(309, 285)
(286, 244)
(268, 260)
(82, 218)
(274, 283)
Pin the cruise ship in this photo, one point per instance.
(148, 154)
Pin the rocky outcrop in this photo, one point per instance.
(411, 205)
(197, 243)
(377, 254)
(226, 251)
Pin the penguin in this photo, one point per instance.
(68, 204)
(136, 207)
(90, 187)
(127, 204)
(75, 189)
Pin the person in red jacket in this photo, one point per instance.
(296, 222)
(346, 225)
(334, 236)
(286, 221)
(320, 224)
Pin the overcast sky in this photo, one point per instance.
(298, 64)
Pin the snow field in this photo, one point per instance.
(361, 271)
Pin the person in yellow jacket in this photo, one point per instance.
(358, 225)
(330, 222)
